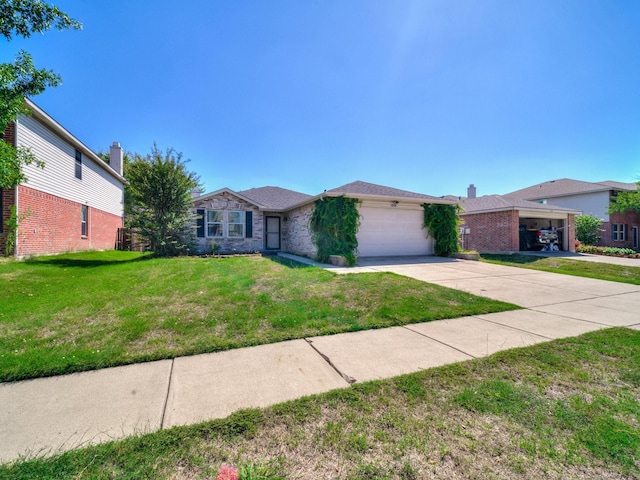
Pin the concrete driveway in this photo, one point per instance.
(598, 301)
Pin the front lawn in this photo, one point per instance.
(579, 268)
(91, 310)
(567, 409)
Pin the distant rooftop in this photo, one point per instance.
(495, 203)
(568, 186)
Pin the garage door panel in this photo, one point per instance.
(397, 231)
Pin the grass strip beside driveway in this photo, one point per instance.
(601, 271)
(92, 310)
(563, 409)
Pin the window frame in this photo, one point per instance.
(618, 232)
(84, 221)
(208, 224)
(229, 223)
(78, 165)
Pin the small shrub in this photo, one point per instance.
(588, 229)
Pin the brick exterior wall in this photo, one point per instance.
(498, 232)
(7, 200)
(227, 202)
(492, 232)
(52, 225)
(9, 134)
(295, 233)
(7, 195)
(630, 219)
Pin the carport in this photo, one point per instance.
(492, 223)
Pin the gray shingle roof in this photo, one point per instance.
(499, 202)
(568, 186)
(364, 188)
(274, 197)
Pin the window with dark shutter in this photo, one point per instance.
(200, 220)
(248, 219)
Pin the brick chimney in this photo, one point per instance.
(471, 191)
(116, 157)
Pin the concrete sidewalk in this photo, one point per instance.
(51, 415)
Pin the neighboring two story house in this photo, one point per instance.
(75, 203)
(620, 229)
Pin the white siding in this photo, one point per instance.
(595, 203)
(97, 188)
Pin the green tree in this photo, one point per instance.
(21, 78)
(588, 229)
(626, 202)
(158, 201)
(443, 222)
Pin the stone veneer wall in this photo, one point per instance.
(295, 233)
(226, 201)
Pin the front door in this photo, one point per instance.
(273, 233)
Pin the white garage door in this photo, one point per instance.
(386, 231)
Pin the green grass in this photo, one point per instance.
(91, 310)
(602, 271)
(564, 409)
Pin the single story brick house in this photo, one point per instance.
(75, 203)
(590, 198)
(277, 219)
(492, 223)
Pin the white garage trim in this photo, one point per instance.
(392, 231)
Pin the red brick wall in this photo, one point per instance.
(53, 225)
(492, 232)
(631, 219)
(8, 200)
(10, 134)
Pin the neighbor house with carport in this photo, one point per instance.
(590, 198)
(276, 219)
(492, 223)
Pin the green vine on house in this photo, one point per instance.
(443, 222)
(334, 225)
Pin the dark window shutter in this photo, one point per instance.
(248, 228)
(200, 231)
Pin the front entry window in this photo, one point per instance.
(214, 223)
(235, 224)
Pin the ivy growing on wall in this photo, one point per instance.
(334, 225)
(443, 222)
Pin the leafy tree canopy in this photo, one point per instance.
(158, 200)
(21, 78)
(588, 229)
(626, 202)
(24, 17)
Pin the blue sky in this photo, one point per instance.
(427, 96)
